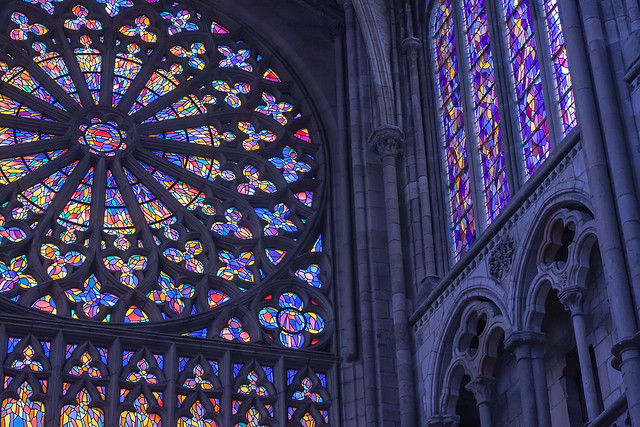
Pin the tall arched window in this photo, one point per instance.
(470, 40)
(161, 195)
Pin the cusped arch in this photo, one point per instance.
(447, 360)
(526, 256)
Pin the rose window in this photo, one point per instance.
(154, 166)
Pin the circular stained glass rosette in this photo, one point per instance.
(153, 165)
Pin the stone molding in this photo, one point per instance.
(483, 389)
(519, 339)
(410, 47)
(444, 421)
(470, 265)
(499, 262)
(572, 299)
(628, 344)
(387, 140)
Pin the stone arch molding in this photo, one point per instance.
(562, 262)
(474, 351)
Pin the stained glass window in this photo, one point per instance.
(471, 92)
(558, 53)
(159, 175)
(455, 148)
(483, 86)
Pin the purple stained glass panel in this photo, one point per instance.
(560, 65)
(532, 118)
(488, 134)
(451, 112)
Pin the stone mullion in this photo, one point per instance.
(280, 385)
(202, 120)
(226, 378)
(162, 194)
(472, 140)
(33, 102)
(57, 361)
(507, 102)
(45, 126)
(132, 204)
(98, 194)
(572, 299)
(113, 388)
(547, 72)
(170, 371)
(40, 76)
(192, 179)
(62, 197)
(38, 174)
(149, 66)
(187, 88)
(386, 141)
(36, 147)
(75, 73)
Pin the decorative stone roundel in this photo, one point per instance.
(154, 165)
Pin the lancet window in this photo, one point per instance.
(494, 139)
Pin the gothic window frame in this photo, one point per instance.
(518, 172)
(296, 282)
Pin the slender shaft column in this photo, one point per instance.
(618, 284)
(411, 47)
(386, 140)
(540, 381)
(483, 390)
(572, 299)
(343, 203)
(520, 344)
(367, 332)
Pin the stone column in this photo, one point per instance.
(387, 140)
(572, 299)
(483, 389)
(619, 285)
(540, 379)
(410, 47)
(520, 344)
(358, 170)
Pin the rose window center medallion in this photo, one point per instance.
(102, 137)
(104, 134)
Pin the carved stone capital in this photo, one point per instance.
(443, 421)
(522, 342)
(387, 140)
(410, 47)
(572, 299)
(346, 3)
(482, 388)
